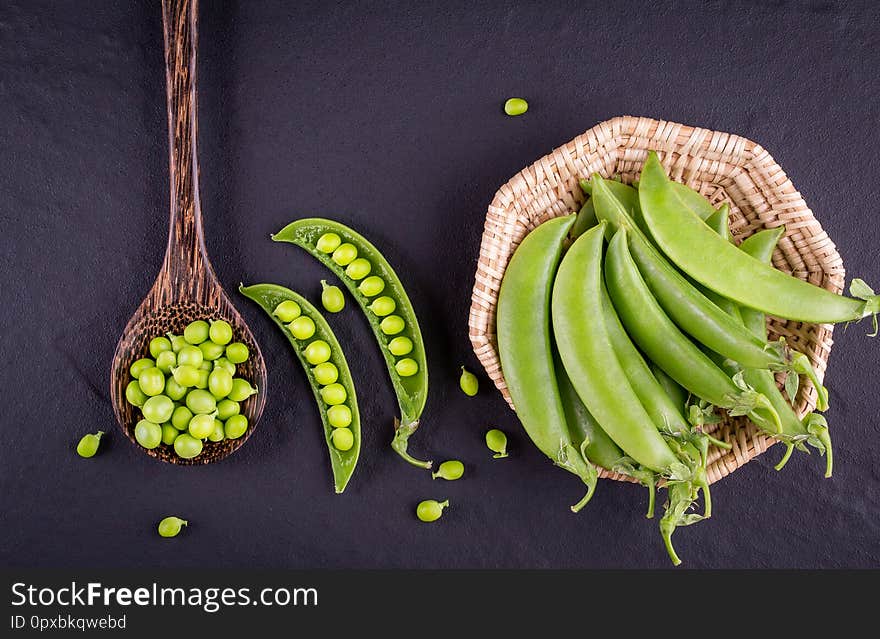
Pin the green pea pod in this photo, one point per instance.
(719, 265)
(411, 389)
(677, 394)
(598, 447)
(268, 297)
(524, 346)
(719, 221)
(663, 342)
(589, 358)
(795, 431)
(688, 307)
(586, 219)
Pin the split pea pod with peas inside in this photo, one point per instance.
(366, 273)
(326, 368)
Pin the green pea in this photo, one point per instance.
(170, 526)
(220, 332)
(165, 361)
(342, 438)
(430, 510)
(152, 381)
(328, 242)
(174, 390)
(287, 311)
(220, 383)
(225, 364)
(196, 332)
(218, 434)
(496, 440)
(339, 416)
(180, 417)
(241, 390)
(187, 446)
(358, 269)
(383, 306)
(406, 367)
(449, 470)
(206, 365)
(140, 366)
(202, 378)
(88, 445)
(186, 376)
(148, 434)
(158, 409)
(159, 345)
(333, 394)
(235, 426)
(177, 342)
(201, 402)
(515, 106)
(317, 352)
(345, 254)
(169, 434)
(190, 356)
(302, 327)
(325, 373)
(468, 382)
(201, 426)
(371, 286)
(332, 298)
(211, 350)
(392, 325)
(237, 353)
(400, 346)
(227, 408)
(134, 394)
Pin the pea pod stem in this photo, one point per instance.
(400, 442)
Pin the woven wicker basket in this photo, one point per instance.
(724, 168)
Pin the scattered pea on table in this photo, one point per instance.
(468, 382)
(496, 441)
(171, 526)
(515, 106)
(88, 445)
(449, 470)
(431, 510)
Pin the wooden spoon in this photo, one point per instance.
(186, 288)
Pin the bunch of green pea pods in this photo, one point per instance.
(624, 328)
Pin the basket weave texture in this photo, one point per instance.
(721, 166)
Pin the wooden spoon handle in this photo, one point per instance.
(186, 269)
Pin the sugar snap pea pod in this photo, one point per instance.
(344, 451)
(719, 221)
(688, 307)
(677, 394)
(812, 429)
(717, 264)
(589, 358)
(664, 343)
(337, 246)
(525, 349)
(586, 218)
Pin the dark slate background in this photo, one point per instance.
(388, 117)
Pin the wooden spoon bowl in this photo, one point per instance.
(187, 288)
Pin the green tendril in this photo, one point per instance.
(860, 289)
(801, 365)
(789, 448)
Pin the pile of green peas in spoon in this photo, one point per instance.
(187, 391)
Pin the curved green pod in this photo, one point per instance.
(719, 265)
(590, 360)
(696, 313)
(411, 389)
(664, 343)
(525, 349)
(268, 297)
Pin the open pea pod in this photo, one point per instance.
(342, 462)
(393, 321)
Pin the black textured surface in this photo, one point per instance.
(389, 117)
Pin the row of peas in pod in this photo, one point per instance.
(187, 390)
(345, 254)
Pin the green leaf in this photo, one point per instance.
(859, 288)
(792, 383)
